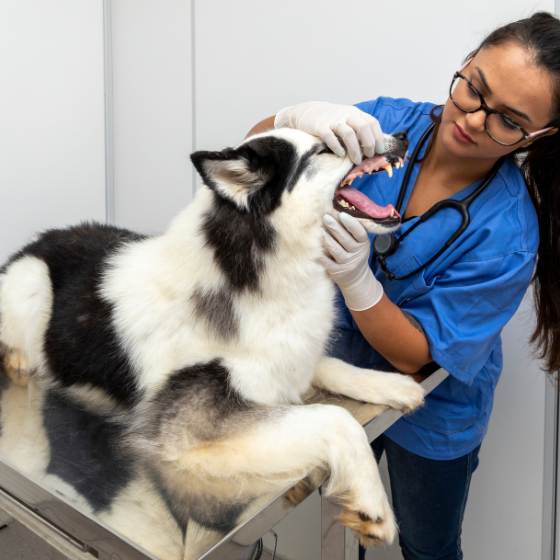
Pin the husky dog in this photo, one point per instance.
(207, 337)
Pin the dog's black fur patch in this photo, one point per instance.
(242, 237)
(86, 450)
(81, 345)
(215, 514)
(273, 159)
(202, 395)
(199, 397)
(216, 308)
(240, 243)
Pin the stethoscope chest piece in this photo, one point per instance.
(385, 244)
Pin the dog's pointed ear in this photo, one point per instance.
(233, 174)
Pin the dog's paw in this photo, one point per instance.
(371, 531)
(16, 368)
(402, 393)
(296, 494)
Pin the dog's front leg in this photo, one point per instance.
(275, 449)
(379, 387)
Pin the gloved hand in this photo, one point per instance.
(358, 131)
(347, 249)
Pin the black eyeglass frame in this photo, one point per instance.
(489, 111)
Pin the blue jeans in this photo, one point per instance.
(429, 500)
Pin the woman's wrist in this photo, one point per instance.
(364, 292)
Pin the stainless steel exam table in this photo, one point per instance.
(36, 500)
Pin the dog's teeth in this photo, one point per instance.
(389, 169)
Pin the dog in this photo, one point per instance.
(203, 340)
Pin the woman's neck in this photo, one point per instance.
(452, 171)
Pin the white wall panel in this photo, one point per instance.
(52, 158)
(504, 518)
(151, 111)
(254, 57)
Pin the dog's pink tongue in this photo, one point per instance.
(365, 204)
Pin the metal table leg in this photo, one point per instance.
(337, 543)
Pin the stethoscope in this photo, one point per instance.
(386, 244)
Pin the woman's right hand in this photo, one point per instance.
(343, 128)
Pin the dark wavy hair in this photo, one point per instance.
(540, 164)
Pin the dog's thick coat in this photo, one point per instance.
(206, 338)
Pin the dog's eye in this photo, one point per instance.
(325, 150)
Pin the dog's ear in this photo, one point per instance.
(233, 174)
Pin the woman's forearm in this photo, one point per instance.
(395, 335)
(262, 126)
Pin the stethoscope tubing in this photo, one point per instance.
(383, 249)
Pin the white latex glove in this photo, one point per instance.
(347, 249)
(333, 124)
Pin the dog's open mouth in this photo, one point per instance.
(353, 202)
(357, 204)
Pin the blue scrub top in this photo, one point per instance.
(462, 300)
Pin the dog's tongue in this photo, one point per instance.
(365, 204)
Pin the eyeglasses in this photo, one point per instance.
(501, 128)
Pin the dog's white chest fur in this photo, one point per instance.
(282, 328)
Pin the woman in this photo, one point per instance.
(409, 311)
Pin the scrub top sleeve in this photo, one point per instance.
(391, 113)
(371, 107)
(383, 110)
(464, 310)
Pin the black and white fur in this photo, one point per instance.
(206, 338)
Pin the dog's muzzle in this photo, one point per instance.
(357, 204)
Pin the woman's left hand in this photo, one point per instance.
(346, 259)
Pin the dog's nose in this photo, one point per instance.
(401, 139)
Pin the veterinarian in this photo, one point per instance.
(409, 312)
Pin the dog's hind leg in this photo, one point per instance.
(25, 309)
(273, 452)
(378, 387)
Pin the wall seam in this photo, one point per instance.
(108, 100)
(193, 92)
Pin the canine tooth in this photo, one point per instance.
(389, 169)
